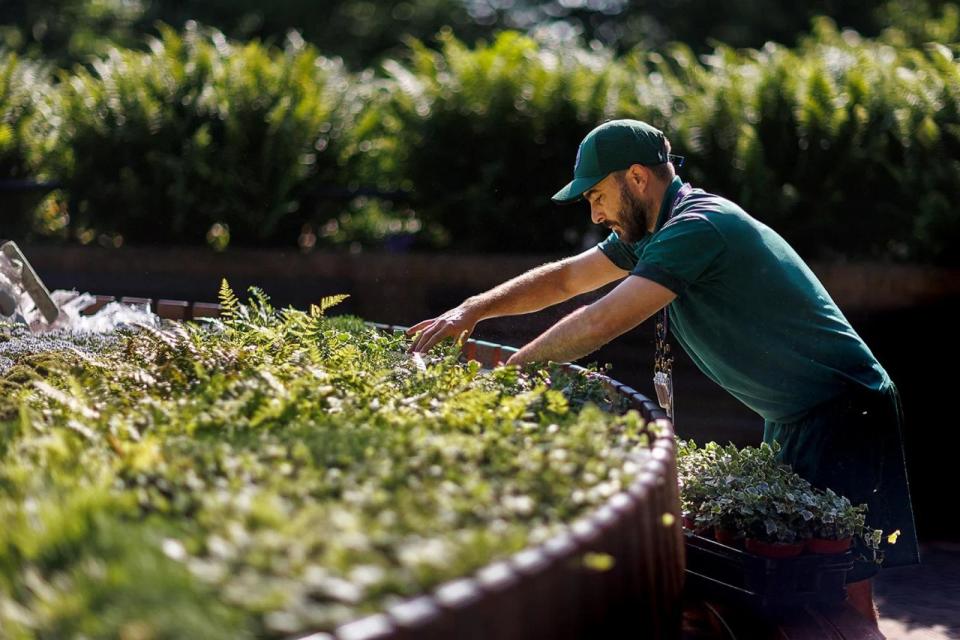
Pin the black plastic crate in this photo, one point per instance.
(723, 572)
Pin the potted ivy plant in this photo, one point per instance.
(776, 505)
(720, 514)
(696, 477)
(836, 524)
(746, 498)
(711, 478)
(775, 537)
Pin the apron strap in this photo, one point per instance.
(663, 360)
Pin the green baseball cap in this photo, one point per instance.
(614, 146)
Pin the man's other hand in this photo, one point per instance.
(457, 323)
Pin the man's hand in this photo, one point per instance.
(457, 323)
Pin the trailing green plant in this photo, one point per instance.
(837, 518)
(275, 472)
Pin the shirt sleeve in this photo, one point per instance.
(681, 253)
(618, 252)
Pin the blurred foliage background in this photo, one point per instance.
(363, 32)
(447, 124)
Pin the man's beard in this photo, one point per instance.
(632, 216)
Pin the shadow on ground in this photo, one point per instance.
(922, 603)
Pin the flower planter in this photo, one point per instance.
(501, 584)
(774, 550)
(463, 600)
(419, 617)
(375, 627)
(562, 552)
(828, 547)
(532, 566)
(548, 590)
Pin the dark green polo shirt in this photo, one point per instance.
(749, 311)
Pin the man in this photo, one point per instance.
(742, 304)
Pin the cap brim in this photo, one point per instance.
(574, 189)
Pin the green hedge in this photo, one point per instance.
(199, 131)
(23, 86)
(22, 82)
(363, 32)
(483, 137)
(848, 146)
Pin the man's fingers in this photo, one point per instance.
(430, 338)
(423, 340)
(420, 331)
(418, 339)
(420, 325)
(436, 333)
(430, 332)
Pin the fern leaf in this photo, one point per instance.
(228, 301)
(260, 302)
(327, 302)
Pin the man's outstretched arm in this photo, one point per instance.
(589, 328)
(536, 289)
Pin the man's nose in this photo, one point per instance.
(596, 215)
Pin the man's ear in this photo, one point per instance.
(639, 175)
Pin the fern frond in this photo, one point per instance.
(317, 325)
(327, 302)
(229, 303)
(260, 302)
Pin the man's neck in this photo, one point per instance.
(653, 213)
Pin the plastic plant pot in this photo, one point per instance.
(828, 547)
(776, 550)
(726, 536)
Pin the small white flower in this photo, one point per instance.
(174, 549)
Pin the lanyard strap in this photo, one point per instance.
(663, 361)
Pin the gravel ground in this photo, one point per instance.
(922, 603)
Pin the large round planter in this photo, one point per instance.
(548, 591)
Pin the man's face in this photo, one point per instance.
(618, 206)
